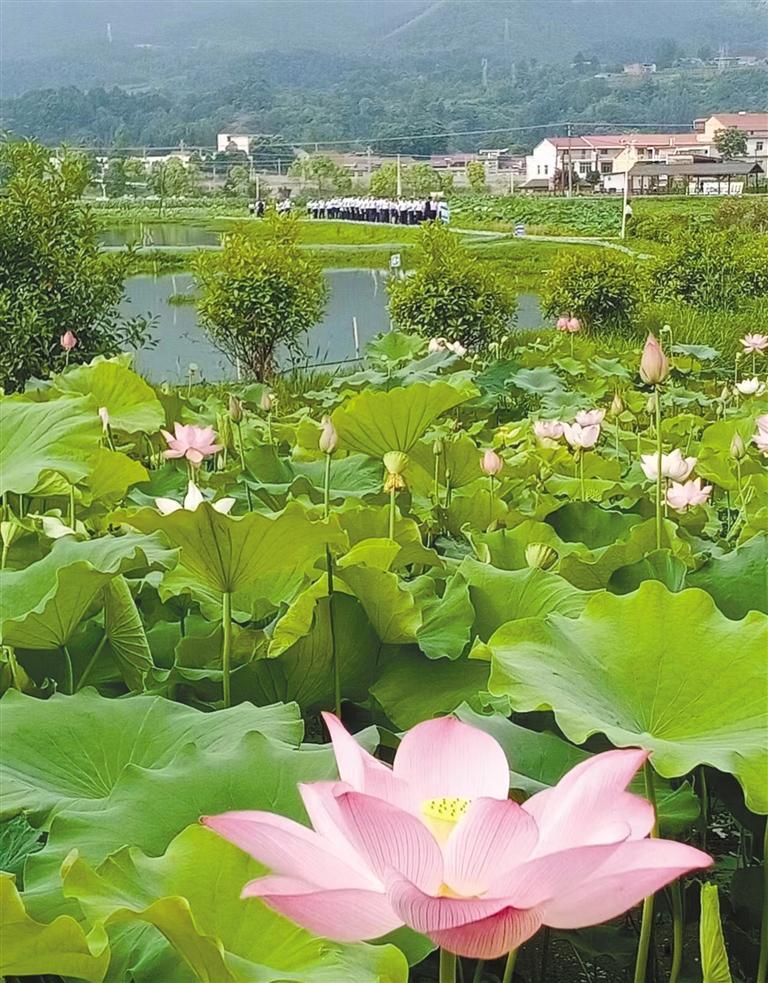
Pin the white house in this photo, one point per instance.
(753, 125)
(227, 142)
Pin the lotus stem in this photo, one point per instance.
(762, 967)
(332, 629)
(71, 506)
(92, 662)
(509, 969)
(69, 678)
(616, 437)
(226, 646)
(392, 511)
(327, 487)
(241, 451)
(646, 926)
(4, 556)
(447, 967)
(490, 499)
(678, 925)
(478, 975)
(582, 487)
(704, 796)
(570, 335)
(659, 478)
(436, 482)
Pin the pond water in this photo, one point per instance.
(354, 294)
(159, 236)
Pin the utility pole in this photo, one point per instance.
(484, 67)
(570, 166)
(399, 178)
(625, 204)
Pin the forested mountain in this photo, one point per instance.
(366, 70)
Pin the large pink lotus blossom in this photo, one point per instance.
(590, 418)
(548, 429)
(754, 343)
(193, 443)
(436, 844)
(682, 497)
(581, 437)
(674, 466)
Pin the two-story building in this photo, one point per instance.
(754, 126)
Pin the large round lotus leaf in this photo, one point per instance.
(585, 522)
(192, 895)
(738, 581)
(375, 422)
(43, 604)
(661, 565)
(653, 669)
(28, 947)
(56, 436)
(130, 401)
(61, 752)
(269, 556)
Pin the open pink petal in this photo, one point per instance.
(427, 913)
(344, 915)
(173, 452)
(448, 758)
(494, 835)
(634, 870)
(392, 839)
(491, 937)
(289, 848)
(590, 805)
(361, 770)
(194, 455)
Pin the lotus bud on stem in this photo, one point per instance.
(654, 370)
(327, 443)
(395, 463)
(491, 464)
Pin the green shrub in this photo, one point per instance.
(452, 295)
(712, 270)
(602, 289)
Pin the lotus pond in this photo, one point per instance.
(448, 669)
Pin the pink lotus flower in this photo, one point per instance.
(562, 323)
(491, 464)
(754, 343)
(574, 325)
(68, 341)
(687, 496)
(582, 437)
(193, 443)
(762, 423)
(674, 466)
(436, 844)
(590, 418)
(654, 365)
(548, 429)
(193, 498)
(443, 345)
(760, 440)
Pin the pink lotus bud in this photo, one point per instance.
(654, 364)
(491, 464)
(574, 325)
(68, 341)
(562, 323)
(328, 438)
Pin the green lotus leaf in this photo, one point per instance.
(505, 548)
(738, 581)
(375, 422)
(653, 669)
(110, 476)
(661, 565)
(56, 436)
(30, 948)
(394, 346)
(714, 956)
(130, 401)
(43, 604)
(361, 522)
(499, 596)
(267, 556)
(391, 609)
(17, 841)
(411, 688)
(595, 527)
(125, 633)
(537, 381)
(460, 458)
(191, 894)
(447, 618)
(67, 750)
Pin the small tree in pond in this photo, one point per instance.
(260, 296)
(451, 294)
(53, 277)
(731, 142)
(599, 288)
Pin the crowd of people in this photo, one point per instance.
(392, 211)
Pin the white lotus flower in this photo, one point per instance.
(674, 466)
(750, 387)
(192, 499)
